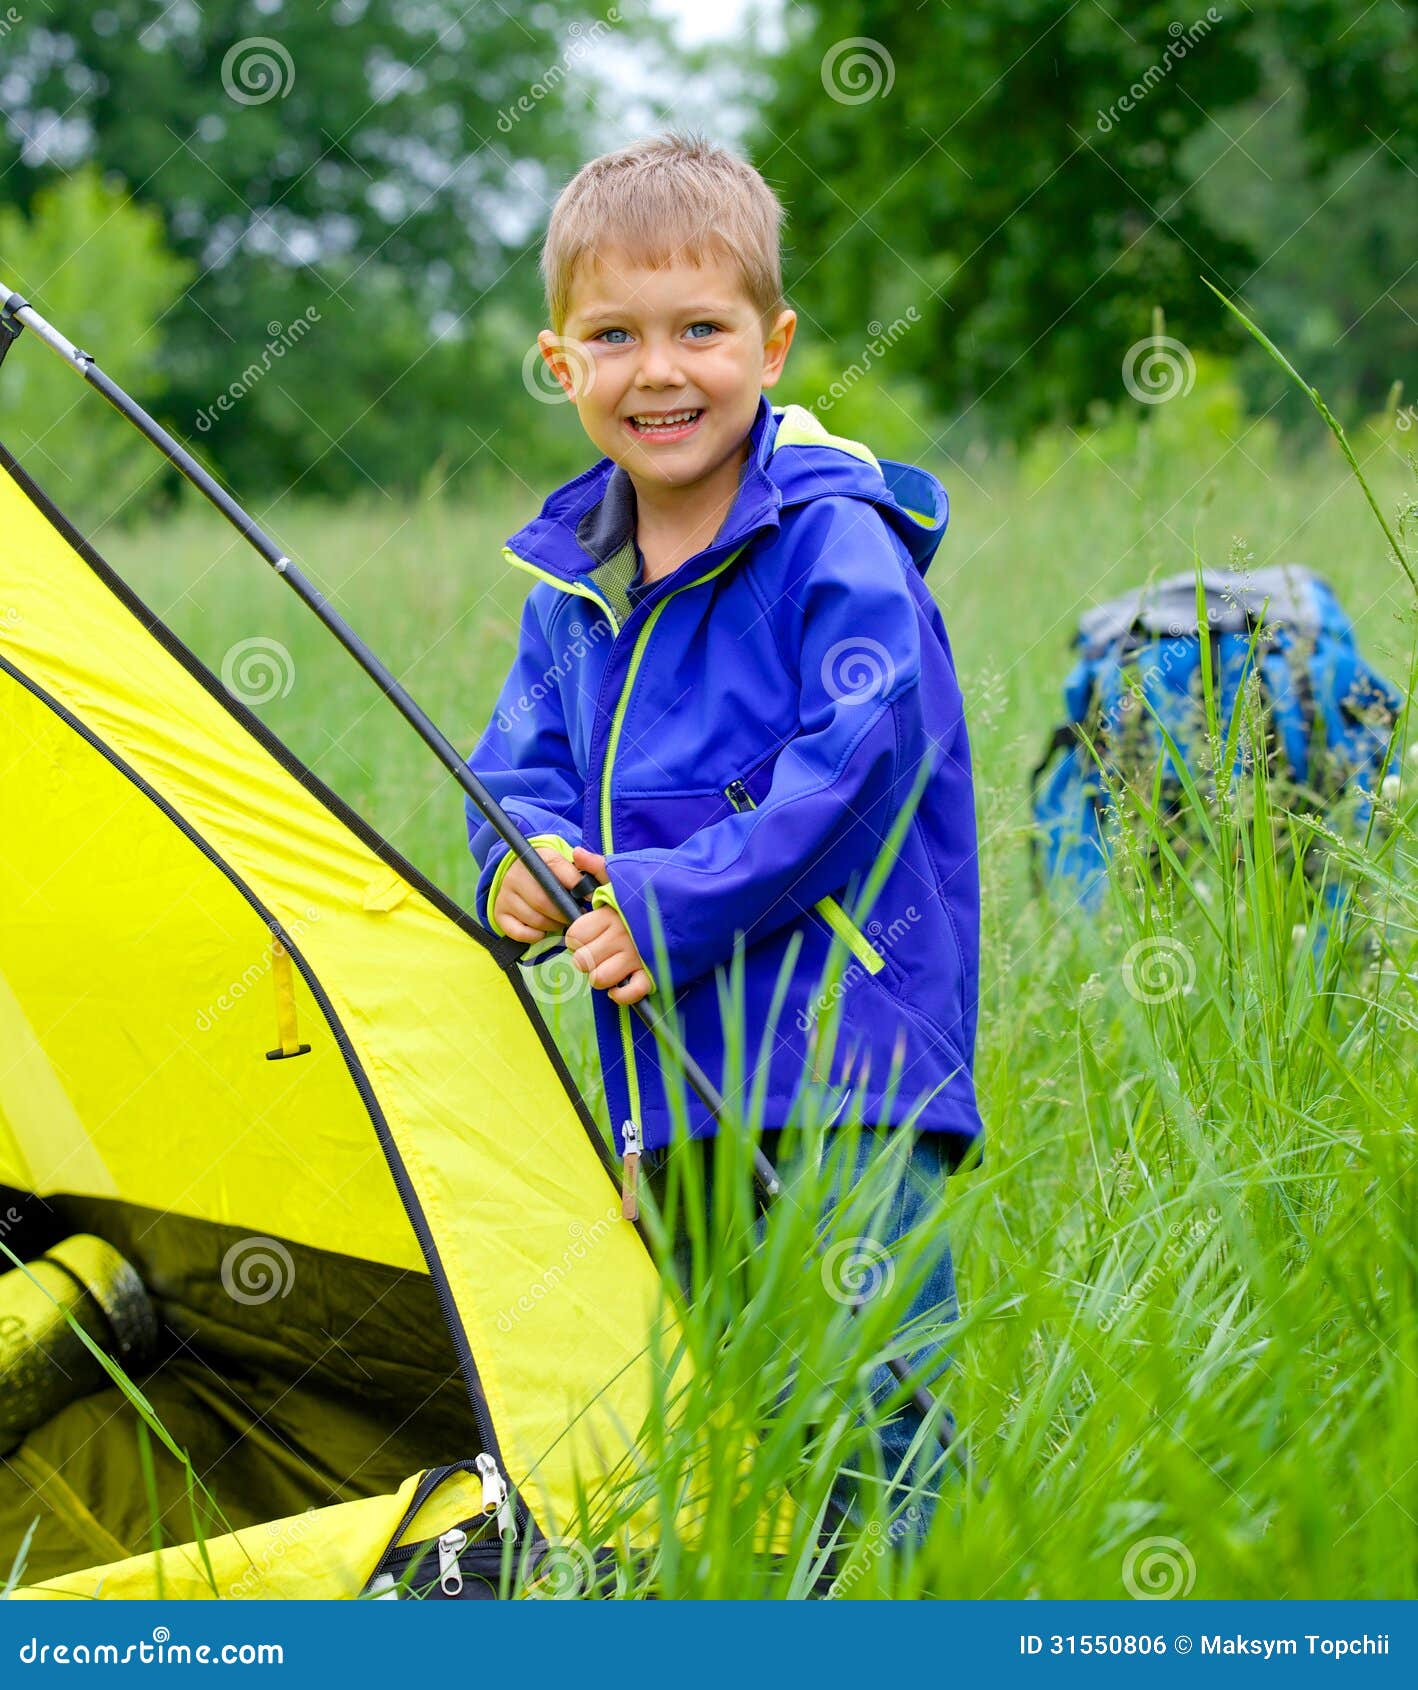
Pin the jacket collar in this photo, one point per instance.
(589, 519)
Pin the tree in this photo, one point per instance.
(376, 170)
(86, 456)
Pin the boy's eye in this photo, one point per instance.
(701, 331)
(610, 336)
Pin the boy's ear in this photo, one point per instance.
(775, 345)
(569, 361)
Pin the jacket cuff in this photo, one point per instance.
(500, 873)
(604, 898)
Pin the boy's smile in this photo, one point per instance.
(666, 372)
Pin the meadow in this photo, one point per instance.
(1187, 1361)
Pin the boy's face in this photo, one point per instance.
(665, 366)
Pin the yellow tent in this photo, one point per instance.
(310, 1100)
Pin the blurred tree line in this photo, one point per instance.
(1033, 178)
(307, 235)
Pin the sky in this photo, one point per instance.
(701, 105)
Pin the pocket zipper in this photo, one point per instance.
(828, 908)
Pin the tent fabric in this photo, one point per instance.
(334, 1390)
(322, 1553)
(155, 841)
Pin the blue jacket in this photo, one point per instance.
(739, 742)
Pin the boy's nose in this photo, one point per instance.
(658, 368)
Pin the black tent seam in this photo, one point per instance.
(505, 952)
(413, 1209)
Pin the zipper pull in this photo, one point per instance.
(450, 1546)
(737, 794)
(630, 1171)
(497, 1496)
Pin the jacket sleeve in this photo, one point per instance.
(525, 760)
(853, 638)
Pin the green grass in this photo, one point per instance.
(1188, 1357)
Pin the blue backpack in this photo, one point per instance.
(1329, 718)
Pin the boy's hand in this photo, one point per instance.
(523, 911)
(600, 942)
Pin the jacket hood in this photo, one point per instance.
(792, 460)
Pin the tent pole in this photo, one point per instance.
(17, 313)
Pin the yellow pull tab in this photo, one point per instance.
(384, 893)
(283, 975)
(630, 1171)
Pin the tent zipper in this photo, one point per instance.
(451, 1543)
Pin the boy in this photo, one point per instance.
(731, 680)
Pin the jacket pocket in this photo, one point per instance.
(827, 910)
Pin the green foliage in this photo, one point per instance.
(978, 187)
(871, 396)
(1132, 435)
(1321, 188)
(78, 230)
(1033, 179)
(378, 170)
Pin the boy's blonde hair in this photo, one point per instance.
(669, 199)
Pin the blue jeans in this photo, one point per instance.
(913, 1477)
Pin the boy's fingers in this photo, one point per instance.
(612, 971)
(635, 988)
(590, 862)
(567, 873)
(518, 930)
(525, 910)
(584, 932)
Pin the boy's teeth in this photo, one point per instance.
(670, 421)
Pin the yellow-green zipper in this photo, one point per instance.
(612, 741)
(828, 908)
